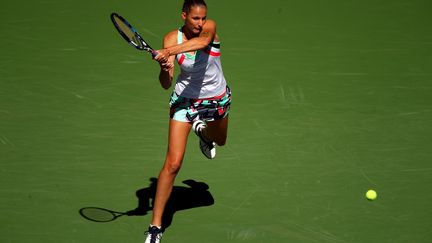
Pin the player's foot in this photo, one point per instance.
(154, 235)
(208, 148)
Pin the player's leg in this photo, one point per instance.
(216, 131)
(177, 140)
(210, 134)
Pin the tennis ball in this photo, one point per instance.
(371, 195)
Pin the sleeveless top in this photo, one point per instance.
(201, 74)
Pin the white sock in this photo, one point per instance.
(159, 227)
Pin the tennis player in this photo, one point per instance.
(200, 100)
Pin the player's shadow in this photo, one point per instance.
(193, 195)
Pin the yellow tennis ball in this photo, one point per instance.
(371, 195)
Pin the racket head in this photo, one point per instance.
(99, 214)
(129, 33)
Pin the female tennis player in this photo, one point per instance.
(200, 100)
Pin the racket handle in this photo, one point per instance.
(154, 54)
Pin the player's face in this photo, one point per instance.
(195, 19)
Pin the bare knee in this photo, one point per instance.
(216, 131)
(173, 165)
(220, 141)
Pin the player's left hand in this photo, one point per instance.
(166, 66)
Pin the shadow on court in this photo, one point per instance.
(193, 195)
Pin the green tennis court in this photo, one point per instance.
(330, 99)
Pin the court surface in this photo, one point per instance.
(330, 99)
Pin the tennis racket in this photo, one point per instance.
(130, 34)
(100, 214)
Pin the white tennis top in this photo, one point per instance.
(201, 74)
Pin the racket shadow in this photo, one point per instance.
(193, 195)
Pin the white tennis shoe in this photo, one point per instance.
(154, 235)
(208, 148)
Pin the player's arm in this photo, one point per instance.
(206, 36)
(166, 73)
(204, 39)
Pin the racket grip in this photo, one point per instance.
(154, 54)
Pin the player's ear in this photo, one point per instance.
(183, 15)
